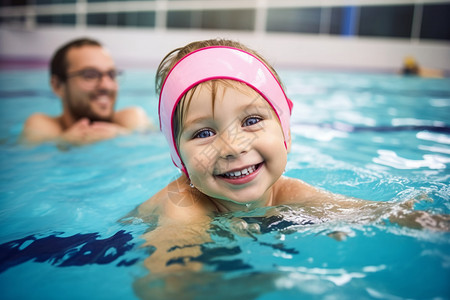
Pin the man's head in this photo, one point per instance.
(83, 75)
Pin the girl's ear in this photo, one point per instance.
(289, 142)
(57, 86)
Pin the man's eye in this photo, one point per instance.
(203, 133)
(112, 74)
(252, 120)
(91, 74)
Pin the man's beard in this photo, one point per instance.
(83, 110)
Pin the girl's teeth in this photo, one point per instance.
(242, 172)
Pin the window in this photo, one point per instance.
(336, 20)
(182, 19)
(242, 19)
(386, 21)
(14, 2)
(93, 1)
(68, 19)
(436, 22)
(306, 20)
(101, 19)
(136, 19)
(12, 20)
(123, 19)
(54, 1)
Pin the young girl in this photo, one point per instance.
(226, 118)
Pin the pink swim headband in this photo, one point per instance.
(219, 62)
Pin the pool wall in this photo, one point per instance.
(146, 47)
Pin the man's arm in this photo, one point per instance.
(40, 128)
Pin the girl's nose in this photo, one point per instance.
(233, 143)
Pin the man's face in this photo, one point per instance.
(89, 96)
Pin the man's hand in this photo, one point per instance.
(82, 132)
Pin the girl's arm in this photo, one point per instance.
(183, 216)
(335, 207)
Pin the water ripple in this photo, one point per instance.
(391, 159)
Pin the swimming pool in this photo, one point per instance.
(373, 136)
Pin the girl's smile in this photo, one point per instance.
(241, 176)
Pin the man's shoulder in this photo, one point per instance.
(41, 119)
(133, 118)
(130, 112)
(40, 127)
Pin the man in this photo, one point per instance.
(84, 77)
(412, 68)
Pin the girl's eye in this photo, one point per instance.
(203, 133)
(251, 121)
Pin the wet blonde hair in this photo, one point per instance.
(176, 55)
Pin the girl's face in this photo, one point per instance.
(233, 148)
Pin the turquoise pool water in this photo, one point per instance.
(372, 136)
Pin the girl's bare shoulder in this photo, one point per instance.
(291, 190)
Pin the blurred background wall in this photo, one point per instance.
(370, 35)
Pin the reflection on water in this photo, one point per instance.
(66, 251)
(391, 159)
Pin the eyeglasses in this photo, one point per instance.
(93, 76)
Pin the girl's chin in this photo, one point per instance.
(236, 204)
